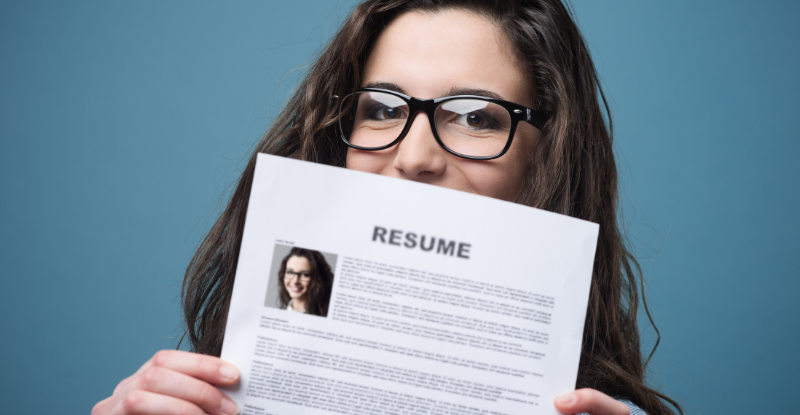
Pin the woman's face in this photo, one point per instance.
(435, 55)
(297, 277)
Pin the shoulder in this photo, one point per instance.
(635, 410)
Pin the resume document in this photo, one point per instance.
(441, 302)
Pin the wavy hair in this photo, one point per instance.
(572, 172)
(319, 286)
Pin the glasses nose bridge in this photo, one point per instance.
(428, 106)
(425, 106)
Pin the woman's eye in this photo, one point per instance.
(474, 120)
(386, 113)
(391, 113)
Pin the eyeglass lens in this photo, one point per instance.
(467, 126)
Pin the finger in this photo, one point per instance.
(591, 401)
(208, 368)
(122, 386)
(128, 384)
(103, 407)
(178, 385)
(141, 402)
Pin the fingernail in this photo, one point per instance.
(228, 372)
(228, 407)
(567, 399)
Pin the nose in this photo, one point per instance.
(419, 157)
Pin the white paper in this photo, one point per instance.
(408, 331)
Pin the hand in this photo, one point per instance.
(591, 401)
(174, 382)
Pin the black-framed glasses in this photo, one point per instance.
(302, 275)
(468, 126)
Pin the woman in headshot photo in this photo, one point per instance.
(305, 281)
(495, 98)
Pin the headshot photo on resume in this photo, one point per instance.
(301, 280)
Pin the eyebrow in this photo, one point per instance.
(473, 91)
(452, 92)
(385, 85)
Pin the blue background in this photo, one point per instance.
(122, 123)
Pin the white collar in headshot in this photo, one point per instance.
(291, 308)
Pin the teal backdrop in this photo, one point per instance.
(122, 123)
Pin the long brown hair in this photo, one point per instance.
(572, 172)
(319, 286)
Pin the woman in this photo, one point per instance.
(527, 53)
(305, 281)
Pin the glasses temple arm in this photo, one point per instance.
(536, 118)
